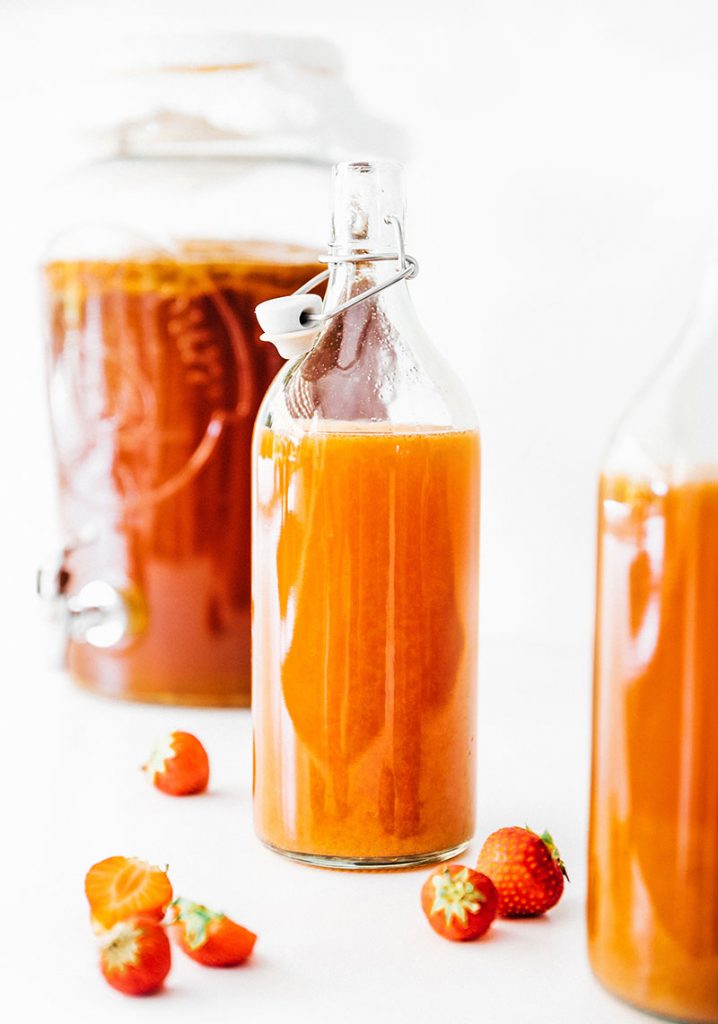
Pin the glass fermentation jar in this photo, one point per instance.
(365, 562)
(203, 205)
(653, 849)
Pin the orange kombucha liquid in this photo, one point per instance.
(364, 657)
(653, 852)
(148, 351)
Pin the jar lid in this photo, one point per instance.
(189, 51)
(179, 92)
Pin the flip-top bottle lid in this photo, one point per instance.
(285, 323)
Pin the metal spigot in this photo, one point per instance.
(99, 614)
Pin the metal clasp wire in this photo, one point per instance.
(408, 268)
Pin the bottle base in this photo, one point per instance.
(176, 698)
(657, 1012)
(400, 863)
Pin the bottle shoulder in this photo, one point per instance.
(373, 365)
(387, 388)
(670, 430)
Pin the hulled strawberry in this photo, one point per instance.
(526, 869)
(209, 938)
(179, 765)
(135, 956)
(459, 903)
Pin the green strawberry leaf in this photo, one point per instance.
(196, 920)
(548, 840)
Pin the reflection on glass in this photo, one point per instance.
(156, 375)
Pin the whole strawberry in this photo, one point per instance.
(179, 765)
(525, 868)
(459, 903)
(135, 956)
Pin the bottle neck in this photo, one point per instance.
(368, 205)
(349, 278)
(365, 195)
(371, 363)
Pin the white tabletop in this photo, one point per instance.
(333, 946)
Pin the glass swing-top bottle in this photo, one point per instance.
(653, 848)
(365, 569)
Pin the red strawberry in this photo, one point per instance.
(179, 765)
(459, 903)
(525, 868)
(135, 956)
(119, 887)
(209, 938)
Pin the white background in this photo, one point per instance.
(562, 195)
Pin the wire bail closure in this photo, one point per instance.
(292, 322)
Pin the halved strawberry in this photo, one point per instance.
(135, 956)
(209, 938)
(118, 887)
